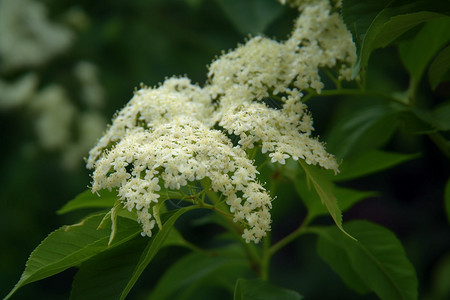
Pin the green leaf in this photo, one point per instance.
(217, 267)
(440, 289)
(153, 247)
(376, 262)
(346, 197)
(194, 3)
(174, 238)
(107, 199)
(439, 68)
(251, 16)
(87, 199)
(417, 121)
(69, 246)
(337, 257)
(258, 289)
(421, 121)
(376, 24)
(349, 197)
(324, 189)
(359, 15)
(362, 130)
(447, 199)
(105, 275)
(400, 23)
(418, 52)
(370, 162)
(441, 116)
(93, 280)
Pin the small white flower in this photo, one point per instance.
(278, 157)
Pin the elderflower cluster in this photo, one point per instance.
(179, 132)
(319, 40)
(29, 40)
(263, 68)
(282, 133)
(27, 37)
(151, 107)
(174, 154)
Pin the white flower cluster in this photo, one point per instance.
(176, 133)
(319, 40)
(152, 107)
(282, 133)
(29, 40)
(263, 68)
(15, 94)
(27, 37)
(175, 153)
(54, 115)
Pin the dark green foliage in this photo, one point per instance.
(396, 123)
(375, 262)
(257, 289)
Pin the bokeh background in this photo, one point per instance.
(67, 66)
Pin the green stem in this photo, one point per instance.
(265, 261)
(213, 208)
(440, 142)
(361, 84)
(268, 251)
(336, 82)
(252, 152)
(259, 168)
(206, 185)
(412, 90)
(277, 98)
(250, 249)
(289, 238)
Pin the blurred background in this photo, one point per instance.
(67, 66)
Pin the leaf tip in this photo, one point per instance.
(349, 235)
(60, 211)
